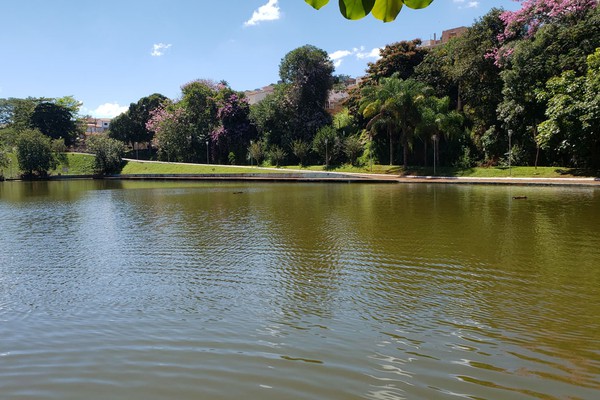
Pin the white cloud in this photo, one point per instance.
(467, 4)
(268, 12)
(106, 110)
(159, 49)
(338, 56)
(374, 53)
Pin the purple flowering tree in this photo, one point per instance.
(235, 130)
(173, 133)
(533, 14)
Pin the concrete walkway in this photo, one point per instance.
(492, 181)
(340, 177)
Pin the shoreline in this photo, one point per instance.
(339, 177)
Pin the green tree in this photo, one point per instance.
(122, 127)
(272, 117)
(16, 113)
(34, 153)
(353, 148)
(438, 124)
(173, 134)
(109, 154)
(256, 151)
(300, 149)
(277, 155)
(399, 58)
(384, 10)
(131, 126)
(327, 144)
(55, 121)
(199, 100)
(4, 161)
(572, 127)
(396, 103)
(306, 73)
(556, 47)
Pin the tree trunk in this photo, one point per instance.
(458, 100)
(405, 150)
(391, 147)
(537, 146)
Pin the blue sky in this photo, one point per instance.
(110, 53)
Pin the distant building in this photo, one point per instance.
(96, 125)
(258, 95)
(446, 36)
(335, 101)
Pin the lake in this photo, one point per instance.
(167, 290)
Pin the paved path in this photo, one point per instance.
(490, 181)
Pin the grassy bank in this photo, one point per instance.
(83, 164)
(136, 167)
(476, 172)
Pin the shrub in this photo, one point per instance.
(353, 148)
(300, 149)
(109, 154)
(34, 153)
(277, 155)
(231, 158)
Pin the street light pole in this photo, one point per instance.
(434, 137)
(207, 159)
(326, 155)
(510, 132)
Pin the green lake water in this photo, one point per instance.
(158, 290)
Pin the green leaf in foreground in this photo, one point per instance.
(384, 10)
(356, 9)
(387, 10)
(417, 4)
(317, 4)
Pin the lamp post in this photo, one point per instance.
(207, 159)
(510, 132)
(326, 155)
(371, 152)
(434, 138)
(251, 163)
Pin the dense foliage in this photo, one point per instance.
(131, 126)
(34, 153)
(109, 154)
(527, 79)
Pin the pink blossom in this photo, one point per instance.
(533, 14)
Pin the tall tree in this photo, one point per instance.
(55, 121)
(572, 127)
(131, 126)
(396, 101)
(554, 48)
(34, 153)
(307, 75)
(235, 130)
(398, 58)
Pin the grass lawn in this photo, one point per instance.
(476, 172)
(135, 167)
(74, 164)
(82, 164)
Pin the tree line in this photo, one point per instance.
(517, 87)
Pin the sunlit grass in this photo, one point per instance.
(83, 164)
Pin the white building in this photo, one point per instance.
(96, 125)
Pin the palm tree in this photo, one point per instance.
(394, 103)
(438, 121)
